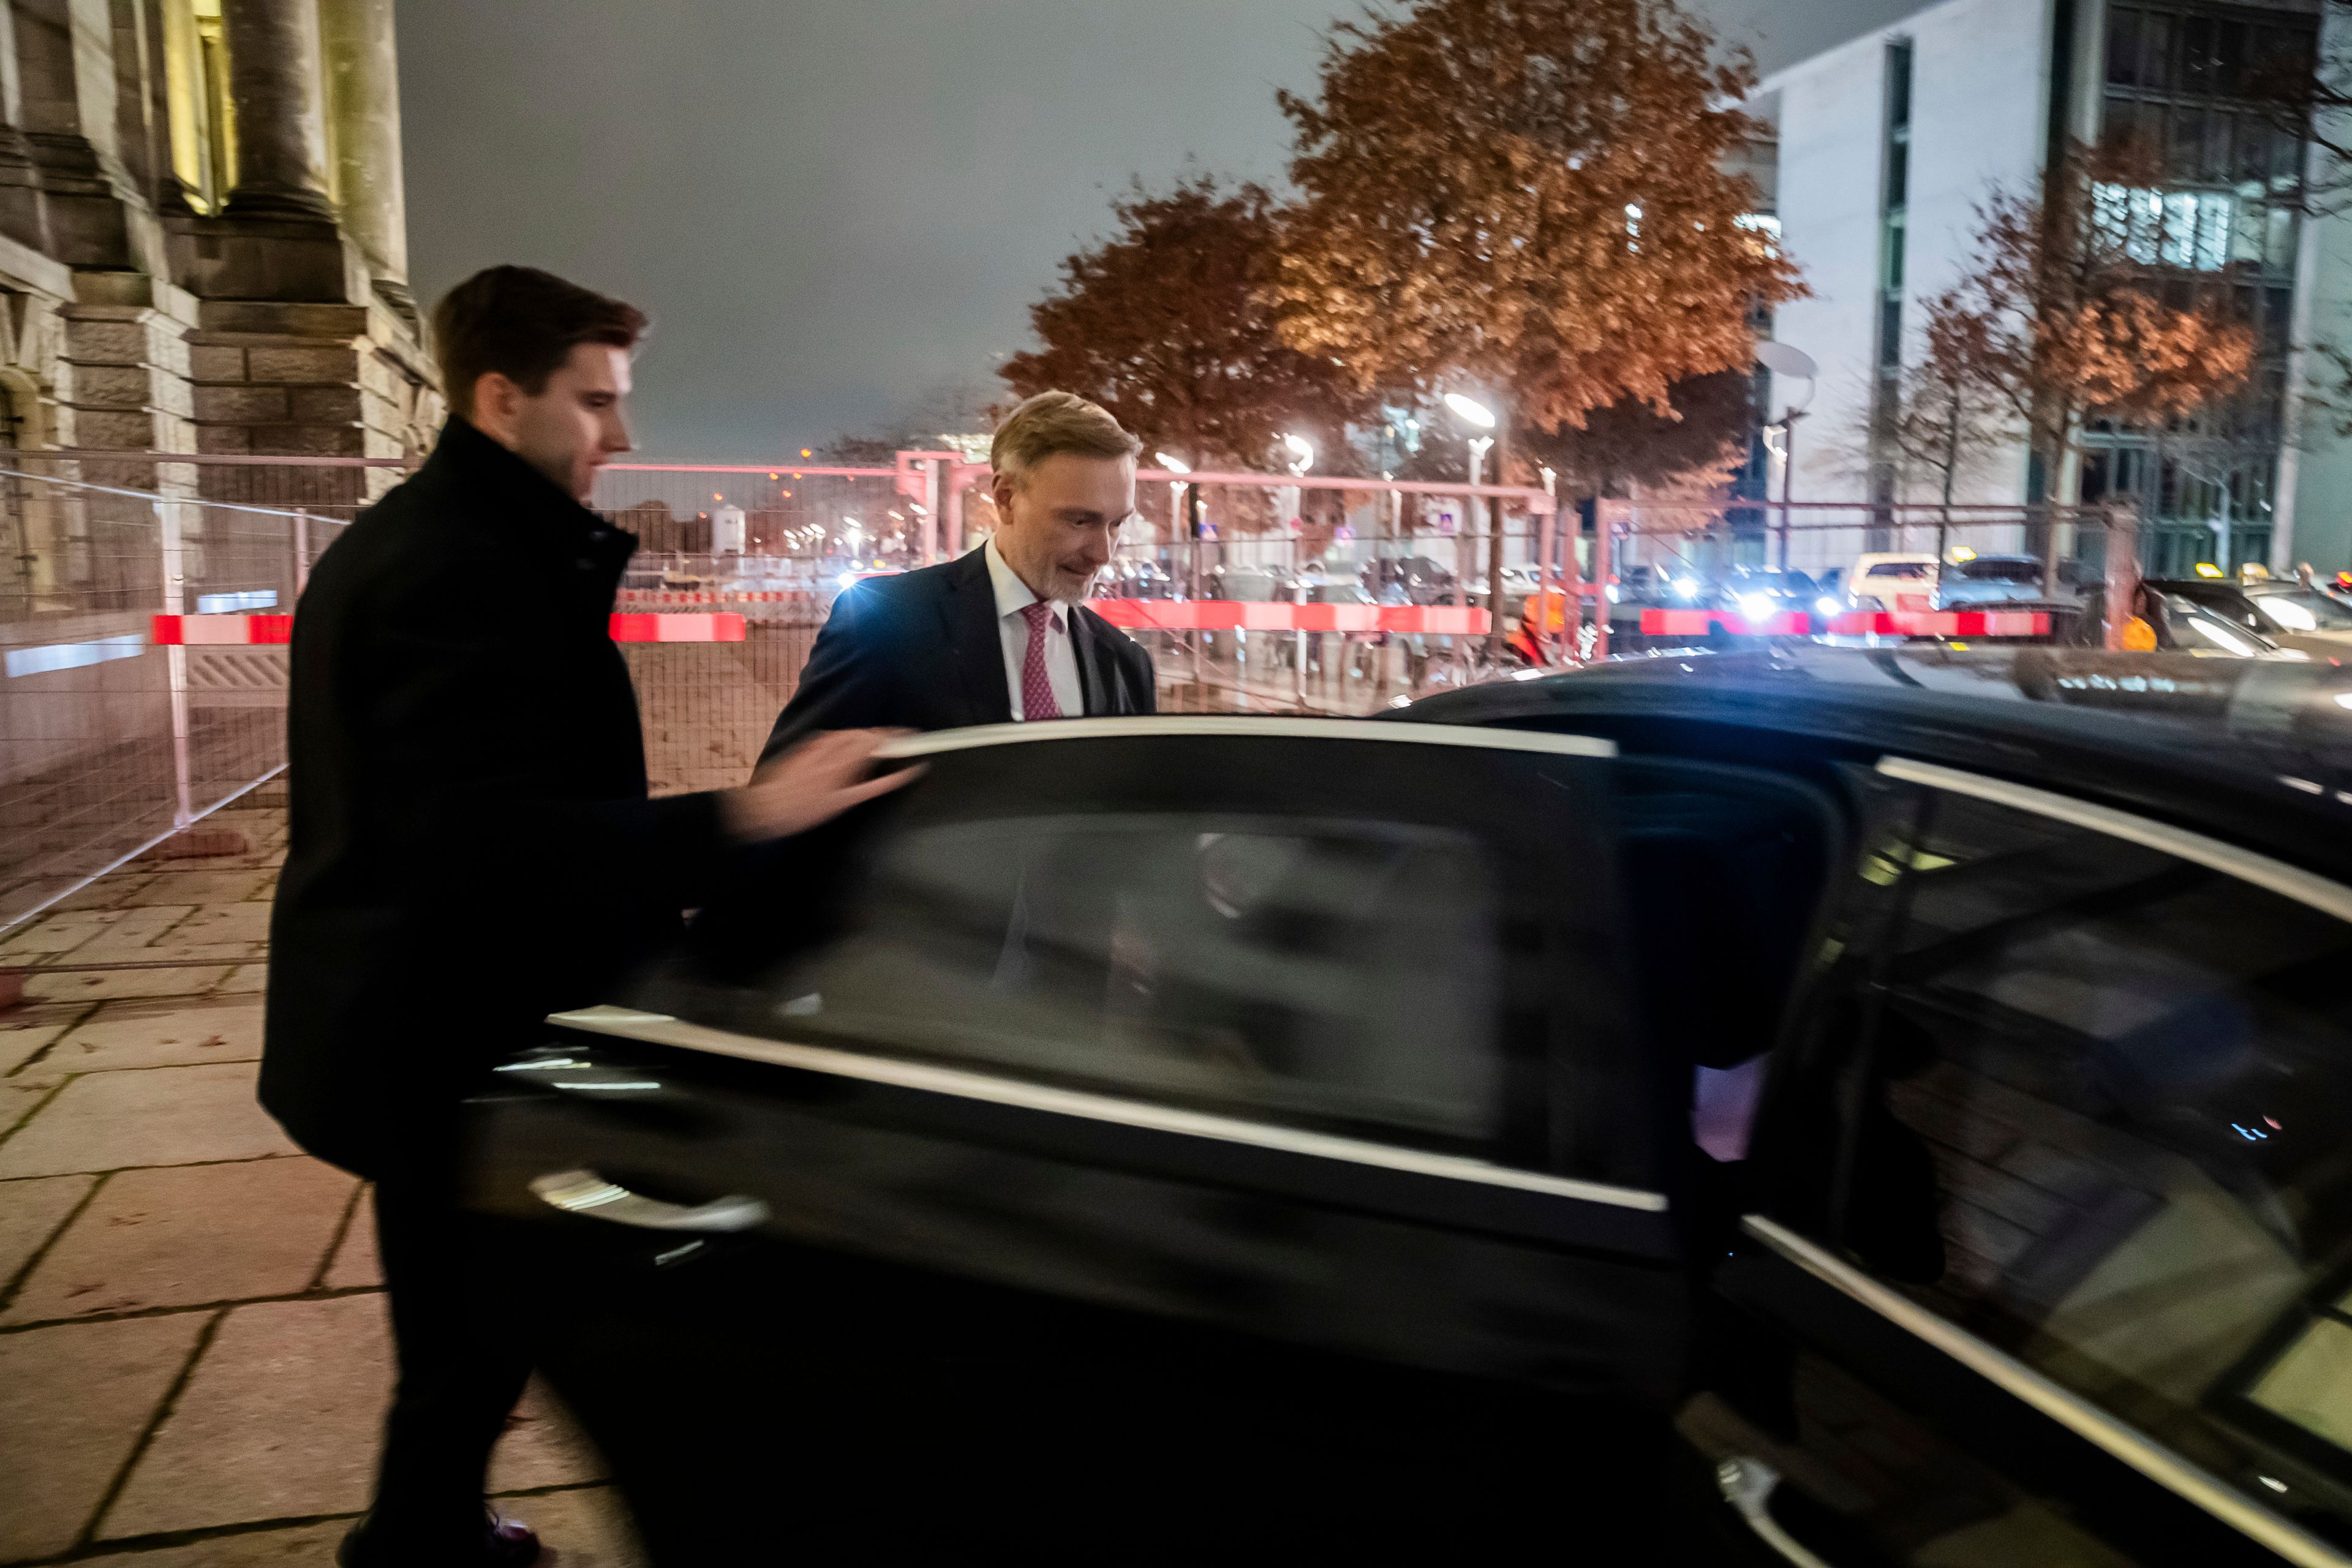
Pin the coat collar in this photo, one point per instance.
(511, 494)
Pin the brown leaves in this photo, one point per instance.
(1531, 194)
(2064, 317)
(1168, 325)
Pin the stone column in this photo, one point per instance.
(274, 83)
(24, 215)
(364, 101)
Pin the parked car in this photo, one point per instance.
(1901, 1093)
(2005, 580)
(1892, 583)
(2284, 613)
(1407, 580)
(1760, 593)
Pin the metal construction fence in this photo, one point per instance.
(126, 711)
(145, 601)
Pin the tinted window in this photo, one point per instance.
(2302, 611)
(1340, 974)
(1990, 570)
(2119, 1089)
(1898, 569)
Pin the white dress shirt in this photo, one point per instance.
(1013, 596)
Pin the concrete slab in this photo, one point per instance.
(128, 933)
(302, 1546)
(213, 886)
(73, 1401)
(356, 1265)
(279, 1420)
(21, 1039)
(247, 922)
(159, 1034)
(110, 985)
(162, 1116)
(544, 1447)
(245, 980)
(188, 1234)
(30, 1212)
(57, 932)
(106, 893)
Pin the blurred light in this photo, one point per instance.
(1756, 606)
(1828, 606)
(847, 579)
(806, 453)
(1302, 453)
(1685, 586)
(1615, 596)
(772, 476)
(2207, 569)
(1958, 553)
(2273, 1482)
(2343, 699)
(1470, 411)
(1173, 465)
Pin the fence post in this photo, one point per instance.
(1605, 551)
(1541, 639)
(2123, 573)
(301, 552)
(932, 471)
(1571, 585)
(176, 658)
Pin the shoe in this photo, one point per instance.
(504, 1543)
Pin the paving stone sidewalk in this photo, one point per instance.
(193, 1351)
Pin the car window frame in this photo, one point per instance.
(2077, 1413)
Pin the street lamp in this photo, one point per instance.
(1795, 364)
(1470, 411)
(1302, 453)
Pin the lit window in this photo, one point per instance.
(2189, 229)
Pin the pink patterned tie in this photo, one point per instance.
(1036, 686)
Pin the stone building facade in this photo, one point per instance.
(202, 242)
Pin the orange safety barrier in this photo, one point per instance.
(1236, 614)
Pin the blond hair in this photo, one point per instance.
(1051, 424)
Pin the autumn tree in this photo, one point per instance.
(1170, 325)
(1703, 434)
(2080, 304)
(1534, 198)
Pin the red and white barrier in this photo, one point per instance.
(221, 631)
(745, 596)
(233, 631)
(1942, 624)
(1700, 623)
(1250, 616)
(678, 628)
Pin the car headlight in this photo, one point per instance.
(1828, 606)
(1756, 606)
(1684, 587)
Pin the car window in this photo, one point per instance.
(1338, 975)
(1898, 569)
(2302, 613)
(2115, 1109)
(1992, 571)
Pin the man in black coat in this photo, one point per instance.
(472, 847)
(1001, 634)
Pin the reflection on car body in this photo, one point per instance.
(1751, 1062)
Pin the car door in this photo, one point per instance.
(1282, 1059)
(2055, 1204)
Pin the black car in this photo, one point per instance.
(1829, 1105)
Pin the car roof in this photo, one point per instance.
(1883, 558)
(2251, 751)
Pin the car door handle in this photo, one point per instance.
(586, 1193)
(1747, 1486)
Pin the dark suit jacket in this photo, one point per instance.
(922, 652)
(471, 845)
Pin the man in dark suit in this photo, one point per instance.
(472, 847)
(1000, 636)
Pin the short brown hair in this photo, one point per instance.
(1052, 423)
(522, 323)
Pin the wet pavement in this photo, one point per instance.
(193, 1348)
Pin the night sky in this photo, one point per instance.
(840, 210)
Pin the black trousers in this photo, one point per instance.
(462, 1359)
